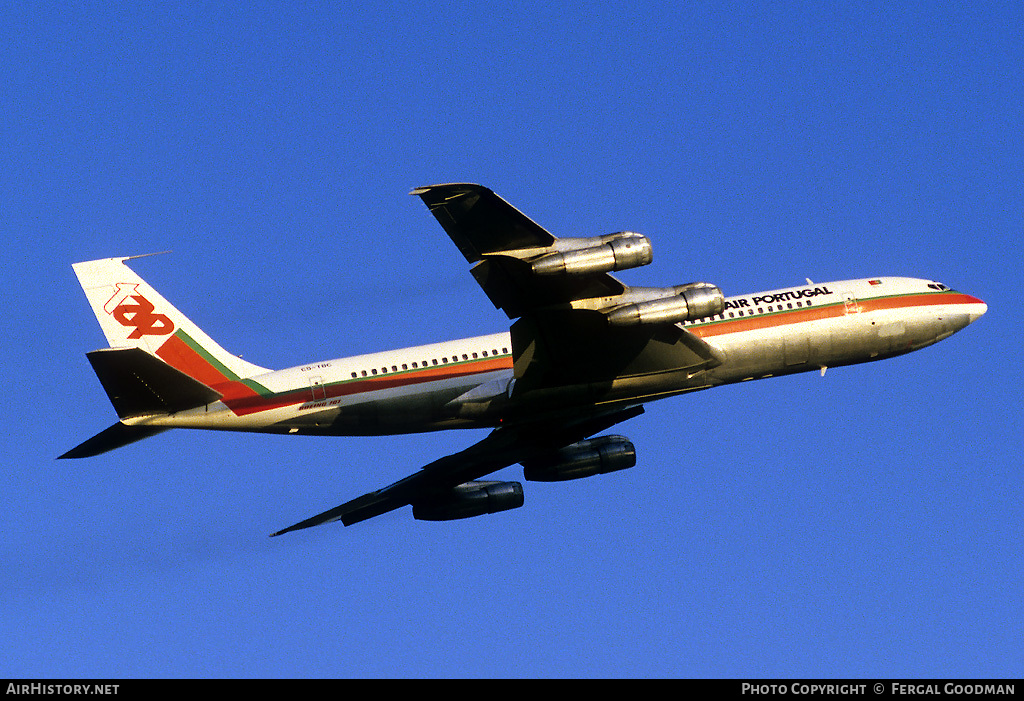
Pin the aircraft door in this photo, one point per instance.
(851, 303)
(316, 386)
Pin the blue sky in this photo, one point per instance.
(864, 524)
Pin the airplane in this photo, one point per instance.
(584, 352)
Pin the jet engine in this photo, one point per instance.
(470, 499)
(695, 300)
(600, 254)
(596, 456)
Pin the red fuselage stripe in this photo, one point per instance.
(832, 310)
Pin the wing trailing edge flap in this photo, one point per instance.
(576, 348)
(501, 448)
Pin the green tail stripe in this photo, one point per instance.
(219, 366)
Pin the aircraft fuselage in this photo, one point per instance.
(468, 383)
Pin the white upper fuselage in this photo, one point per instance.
(463, 383)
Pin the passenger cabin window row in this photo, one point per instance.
(750, 312)
(418, 365)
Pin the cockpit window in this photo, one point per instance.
(937, 286)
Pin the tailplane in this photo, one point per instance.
(140, 384)
(114, 437)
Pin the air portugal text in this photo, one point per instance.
(777, 297)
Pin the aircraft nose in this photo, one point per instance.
(975, 308)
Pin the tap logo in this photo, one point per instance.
(131, 309)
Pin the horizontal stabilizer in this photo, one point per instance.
(139, 383)
(114, 437)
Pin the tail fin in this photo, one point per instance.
(134, 315)
(159, 362)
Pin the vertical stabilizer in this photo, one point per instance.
(134, 315)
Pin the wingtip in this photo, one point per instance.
(289, 529)
(424, 189)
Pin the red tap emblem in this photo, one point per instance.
(138, 315)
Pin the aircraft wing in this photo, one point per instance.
(501, 448)
(479, 222)
(562, 336)
(499, 239)
(575, 373)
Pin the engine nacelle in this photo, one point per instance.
(693, 301)
(470, 499)
(597, 255)
(596, 456)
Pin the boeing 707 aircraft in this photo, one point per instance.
(584, 352)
